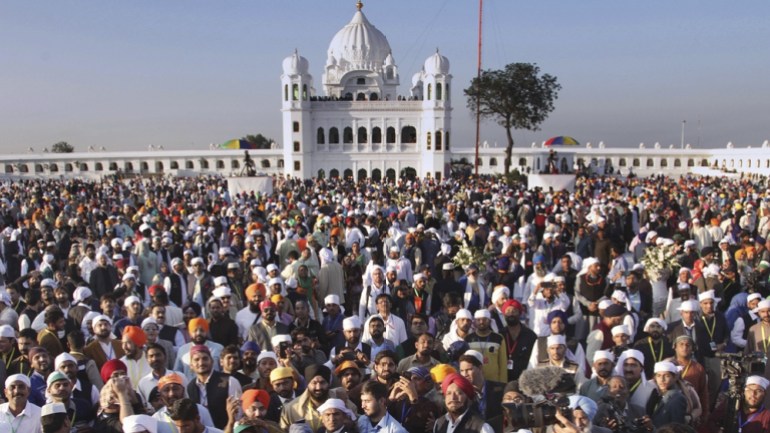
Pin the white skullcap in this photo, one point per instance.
(604, 303)
(131, 300)
(394, 249)
(724, 240)
(140, 423)
(696, 221)
(419, 276)
(684, 269)
(221, 292)
(689, 306)
(751, 380)
(53, 409)
(763, 305)
(604, 354)
(129, 276)
(689, 243)
(683, 286)
(553, 340)
(196, 261)
(620, 296)
(132, 269)
(462, 313)
(499, 292)
(666, 367)
(682, 225)
(17, 378)
(559, 279)
(482, 313)
(637, 267)
(753, 296)
(708, 294)
(476, 354)
(149, 321)
(590, 261)
(549, 277)
(272, 267)
(101, 318)
(48, 282)
(332, 299)
(655, 320)
(274, 281)
(335, 403)
(280, 338)
(352, 322)
(547, 236)
(650, 236)
(62, 358)
(265, 355)
(448, 266)
(620, 329)
(631, 353)
(220, 281)
(6, 331)
(81, 293)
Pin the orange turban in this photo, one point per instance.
(197, 323)
(169, 379)
(136, 335)
(276, 298)
(255, 288)
(253, 395)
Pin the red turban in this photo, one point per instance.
(463, 383)
(136, 335)
(112, 366)
(253, 395)
(197, 323)
(199, 348)
(265, 304)
(512, 303)
(155, 288)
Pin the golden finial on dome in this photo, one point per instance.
(359, 5)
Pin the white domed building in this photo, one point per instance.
(361, 126)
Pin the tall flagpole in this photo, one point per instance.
(478, 95)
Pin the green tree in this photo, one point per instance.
(62, 147)
(259, 141)
(516, 97)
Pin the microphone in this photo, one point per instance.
(545, 380)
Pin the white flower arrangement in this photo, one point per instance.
(660, 262)
(468, 255)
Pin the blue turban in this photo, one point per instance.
(556, 313)
(251, 346)
(585, 404)
(503, 263)
(539, 258)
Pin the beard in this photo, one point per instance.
(254, 307)
(319, 395)
(656, 335)
(249, 363)
(377, 334)
(198, 339)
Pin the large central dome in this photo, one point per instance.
(359, 45)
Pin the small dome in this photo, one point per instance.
(436, 64)
(417, 79)
(389, 60)
(359, 44)
(295, 65)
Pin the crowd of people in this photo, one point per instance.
(168, 305)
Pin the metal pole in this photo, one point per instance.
(478, 95)
(683, 122)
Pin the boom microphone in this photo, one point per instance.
(545, 380)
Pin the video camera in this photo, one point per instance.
(623, 426)
(736, 367)
(535, 415)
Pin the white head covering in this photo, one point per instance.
(499, 292)
(629, 353)
(621, 329)
(265, 355)
(763, 305)
(335, 403)
(17, 378)
(604, 354)
(652, 320)
(604, 303)
(482, 313)
(689, 305)
(553, 340)
(751, 380)
(708, 294)
(666, 366)
(352, 322)
(62, 358)
(140, 423)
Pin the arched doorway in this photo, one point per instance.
(376, 175)
(334, 174)
(321, 174)
(348, 174)
(390, 174)
(362, 174)
(409, 173)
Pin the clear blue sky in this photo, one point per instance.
(186, 73)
